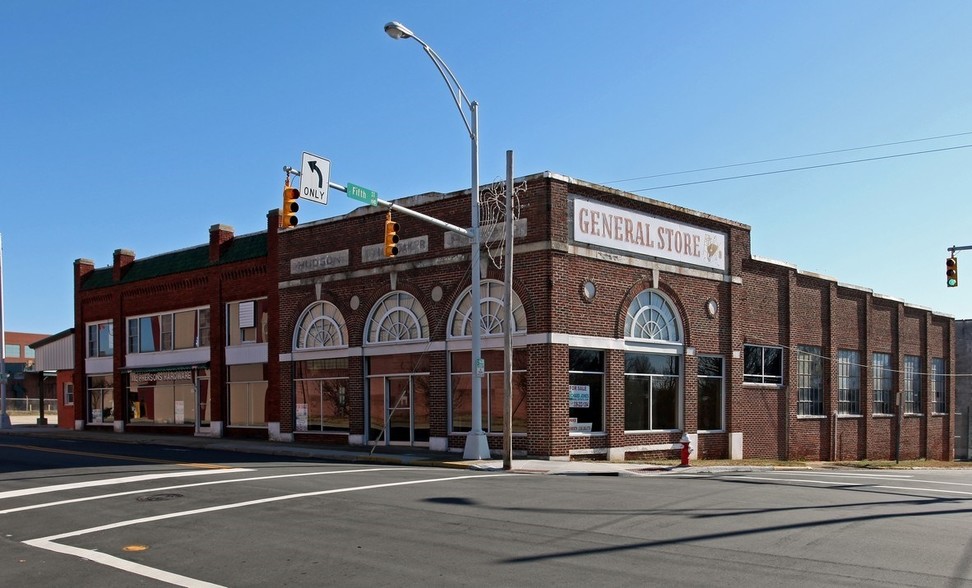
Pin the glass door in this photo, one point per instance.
(204, 405)
(398, 406)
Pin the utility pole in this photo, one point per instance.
(4, 417)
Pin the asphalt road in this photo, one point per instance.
(74, 513)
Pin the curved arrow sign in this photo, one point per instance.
(315, 173)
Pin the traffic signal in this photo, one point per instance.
(951, 272)
(391, 237)
(288, 215)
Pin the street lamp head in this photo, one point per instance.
(397, 30)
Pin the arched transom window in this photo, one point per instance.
(320, 325)
(493, 315)
(651, 318)
(397, 317)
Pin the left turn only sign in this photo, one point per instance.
(315, 173)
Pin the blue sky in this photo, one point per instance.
(138, 125)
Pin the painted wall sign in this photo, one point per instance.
(324, 261)
(643, 234)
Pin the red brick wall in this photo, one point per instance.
(213, 286)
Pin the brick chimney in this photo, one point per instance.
(219, 236)
(121, 259)
(82, 268)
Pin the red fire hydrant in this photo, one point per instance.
(686, 442)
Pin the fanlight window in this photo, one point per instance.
(651, 318)
(397, 317)
(493, 313)
(320, 325)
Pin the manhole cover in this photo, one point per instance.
(159, 497)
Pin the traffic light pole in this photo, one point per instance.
(398, 208)
(953, 248)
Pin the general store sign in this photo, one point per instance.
(643, 234)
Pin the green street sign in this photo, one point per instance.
(362, 194)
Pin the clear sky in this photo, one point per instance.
(138, 125)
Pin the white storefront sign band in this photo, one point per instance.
(643, 234)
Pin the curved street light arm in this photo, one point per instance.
(455, 88)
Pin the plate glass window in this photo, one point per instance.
(586, 391)
(711, 393)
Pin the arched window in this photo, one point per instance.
(651, 318)
(397, 317)
(321, 325)
(493, 314)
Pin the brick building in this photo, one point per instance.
(634, 322)
(158, 337)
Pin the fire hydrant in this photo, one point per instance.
(686, 446)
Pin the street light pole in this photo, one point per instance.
(4, 417)
(477, 446)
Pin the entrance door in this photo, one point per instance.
(400, 410)
(203, 403)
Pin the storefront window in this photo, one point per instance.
(492, 392)
(651, 398)
(247, 391)
(586, 391)
(321, 396)
(398, 399)
(162, 398)
(101, 403)
(711, 392)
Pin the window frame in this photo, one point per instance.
(258, 315)
(911, 386)
(166, 323)
(810, 382)
(939, 389)
(882, 383)
(633, 378)
(848, 382)
(763, 378)
(93, 343)
(721, 377)
(580, 377)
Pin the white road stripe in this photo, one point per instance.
(913, 489)
(113, 481)
(853, 475)
(121, 564)
(180, 486)
(798, 480)
(828, 483)
(48, 543)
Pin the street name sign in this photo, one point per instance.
(361, 194)
(315, 174)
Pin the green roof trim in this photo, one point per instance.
(185, 260)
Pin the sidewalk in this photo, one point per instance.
(390, 455)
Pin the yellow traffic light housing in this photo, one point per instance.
(951, 272)
(391, 236)
(288, 214)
